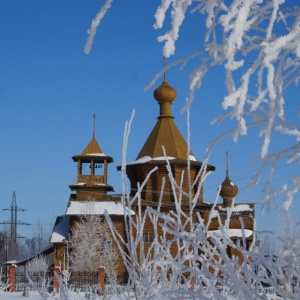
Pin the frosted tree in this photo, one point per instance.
(91, 245)
(200, 268)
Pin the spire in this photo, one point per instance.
(227, 164)
(165, 69)
(94, 127)
(228, 188)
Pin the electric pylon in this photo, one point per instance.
(13, 226)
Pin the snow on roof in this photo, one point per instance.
(96, 154)
(84, 207)
(237, 208)
(213, 213)
(84, 183)
(146, 159)
(231, 232)
(192, 157)
(60, 230)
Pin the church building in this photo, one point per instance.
(164, 141)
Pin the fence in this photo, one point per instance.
(77, 280)
(40, 279)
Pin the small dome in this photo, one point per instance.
(165, 93)
(228, 188)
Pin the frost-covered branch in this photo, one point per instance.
(257, 45)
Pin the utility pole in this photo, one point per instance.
(13, 226)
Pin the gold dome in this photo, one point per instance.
(228, 188)
(165, 93)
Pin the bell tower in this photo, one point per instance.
(92, 170)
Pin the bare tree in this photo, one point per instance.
(41, 235)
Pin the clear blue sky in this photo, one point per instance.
(50, 89)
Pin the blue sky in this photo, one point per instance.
(50, 89)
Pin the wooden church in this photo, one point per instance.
(92, 183)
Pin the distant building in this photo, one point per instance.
(92, 183)
(35, 245)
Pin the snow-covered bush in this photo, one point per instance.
(37, 273)
(38, 265)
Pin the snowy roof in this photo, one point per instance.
(96, 154)
(85, 183)
(146, 159)
(84, 207)
(238, 208)
(231, 232)
(60, 230)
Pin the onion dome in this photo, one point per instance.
(165, 95)
(165, 92)
(228, 188)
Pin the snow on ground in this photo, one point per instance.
(34, 295)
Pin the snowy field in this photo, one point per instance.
(34, 295)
